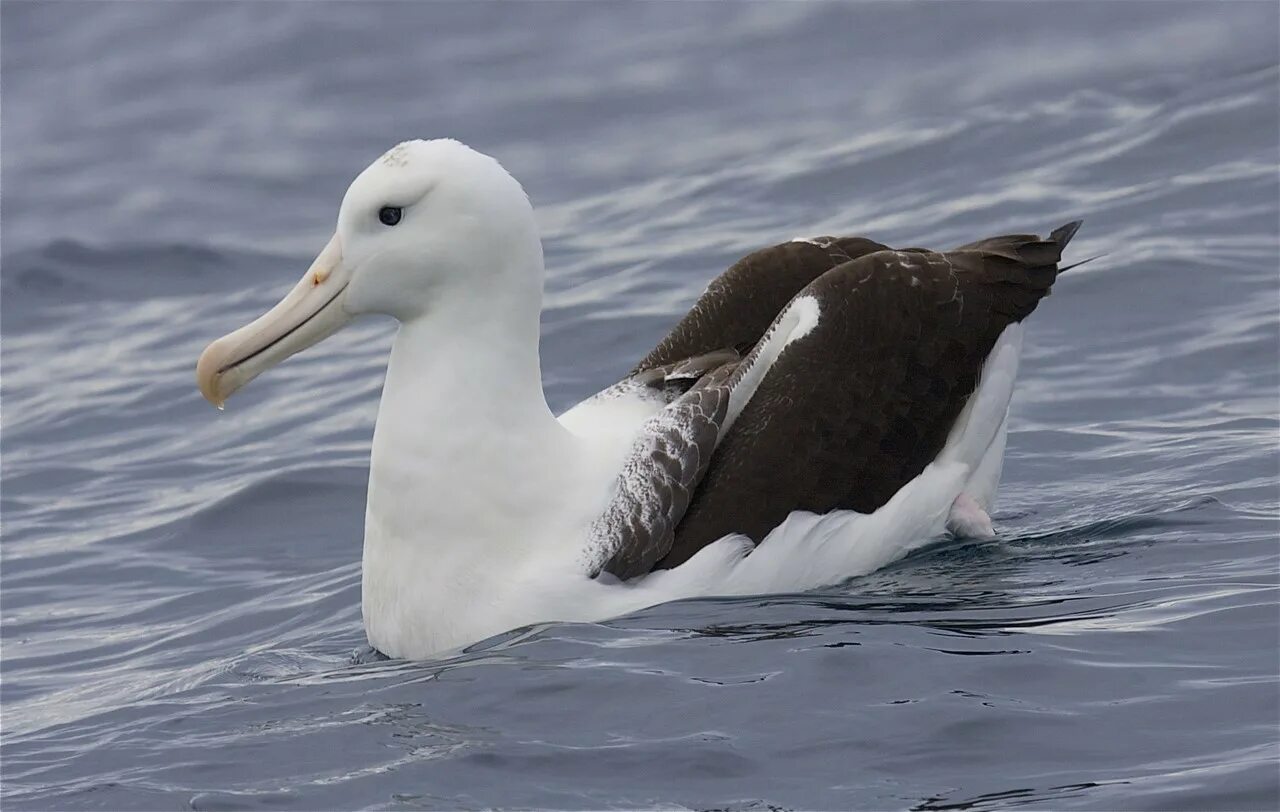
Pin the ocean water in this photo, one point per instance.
(179, 587)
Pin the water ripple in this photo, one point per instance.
(181, 622)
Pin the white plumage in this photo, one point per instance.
(480, 500)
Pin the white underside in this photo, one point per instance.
(421, 599)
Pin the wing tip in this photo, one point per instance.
(1063, 234)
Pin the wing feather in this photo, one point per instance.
(841, 417)
(858, 407)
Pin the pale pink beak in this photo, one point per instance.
(311, 312)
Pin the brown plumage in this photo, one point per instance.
(846, 415)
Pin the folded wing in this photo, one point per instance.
(836, 405)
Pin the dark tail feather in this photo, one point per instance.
(1032, 251)
(1063, 234)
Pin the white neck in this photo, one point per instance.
(463, 416)
(467, 458)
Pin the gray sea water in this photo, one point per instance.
(179, 590)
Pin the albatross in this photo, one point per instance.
(827, 404)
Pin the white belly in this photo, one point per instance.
(437, 579)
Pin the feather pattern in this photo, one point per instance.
(840, 415)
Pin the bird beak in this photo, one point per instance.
(311, 312)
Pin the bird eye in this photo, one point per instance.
(389, 215)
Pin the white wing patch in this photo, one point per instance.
(796, 322)
(807, 311)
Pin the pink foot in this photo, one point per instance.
(968, 520)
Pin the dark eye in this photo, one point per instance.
(389, 215)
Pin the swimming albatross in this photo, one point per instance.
(827, 404)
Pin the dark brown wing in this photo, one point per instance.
(741, 303)
(692, 372)
(859, 406)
